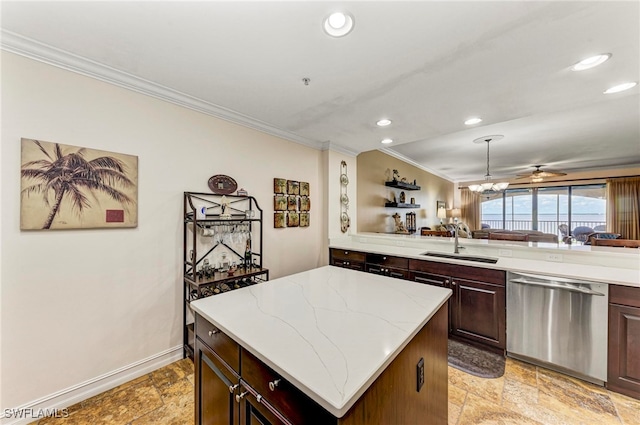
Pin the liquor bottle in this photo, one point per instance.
(247, 255)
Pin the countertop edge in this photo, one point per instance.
(626, 277)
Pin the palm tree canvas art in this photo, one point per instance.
(71, 187)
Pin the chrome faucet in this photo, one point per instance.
(456, 244)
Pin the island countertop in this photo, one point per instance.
(329, 331)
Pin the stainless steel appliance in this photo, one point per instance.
(558, 323)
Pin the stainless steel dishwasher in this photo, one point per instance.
(558, 323)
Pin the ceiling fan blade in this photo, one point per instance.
(549, 174)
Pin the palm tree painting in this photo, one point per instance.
(70, 187)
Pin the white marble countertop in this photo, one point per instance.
(329, 331)
(600, 264)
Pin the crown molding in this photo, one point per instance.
(32, 49)
(415, 164)
(331, 146)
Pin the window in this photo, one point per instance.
(564, 210)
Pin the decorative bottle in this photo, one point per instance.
(247, 255)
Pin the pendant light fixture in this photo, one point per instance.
(488, 185)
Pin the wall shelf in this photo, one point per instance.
(402, 185)
(400, 205)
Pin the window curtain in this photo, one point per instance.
(470, 208)
(623, 206)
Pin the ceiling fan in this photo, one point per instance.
(538, 175)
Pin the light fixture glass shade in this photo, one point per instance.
(442, 213)
(488, 187)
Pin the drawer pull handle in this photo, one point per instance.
(213, 332)
(259, 398)
(273, 384)
(241, 396)
(232, 388)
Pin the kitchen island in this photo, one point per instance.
(328, 345)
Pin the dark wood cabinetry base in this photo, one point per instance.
(624, 340)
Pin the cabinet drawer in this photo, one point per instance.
(624, 295)
(388, 261)
(226, 348)
(430, 279)
(343, 254)
(388, 271)
(284, 397)
(353, 265)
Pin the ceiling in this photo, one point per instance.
(428, 66)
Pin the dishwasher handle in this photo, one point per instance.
(551, 285)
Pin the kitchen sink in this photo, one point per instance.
(462, 257)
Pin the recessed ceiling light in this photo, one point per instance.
(383, 122)
(472, 121)
(620, 87)
(386, 141)
(338, 24)
(591, 62)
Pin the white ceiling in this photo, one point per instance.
(426, 65)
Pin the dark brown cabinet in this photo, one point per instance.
(624, 340)
(348, 259)
(387, 265)
(258, 395)
(233, 387)
(477, 308)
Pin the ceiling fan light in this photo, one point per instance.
(486, 186)
(475, 188)
(536, 179)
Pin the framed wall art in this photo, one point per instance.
(305, 203)
(293, 187)
(304, 188)
(279, 219)
(279, 202)
(72, 187)
(280, 186)
(291, 203)
(293, 219)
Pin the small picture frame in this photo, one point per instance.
(279, 185)
(292, 203)
(305, 203)
(279, 203)
(304, 188)
(279, 220)
(304, 219)
(293, 187)
(293, 219)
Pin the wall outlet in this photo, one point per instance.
(420, 373)
(504, 253)
(554, 257)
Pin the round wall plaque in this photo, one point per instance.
(222, 185)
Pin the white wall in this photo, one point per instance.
(79, 304)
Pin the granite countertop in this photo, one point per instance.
(599, 264)
(329, 331)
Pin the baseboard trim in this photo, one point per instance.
(77, 393)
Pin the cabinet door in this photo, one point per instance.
(478, 311)
(253, 412)
(215, 389)
(624, 350)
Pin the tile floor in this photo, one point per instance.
(525, 395)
